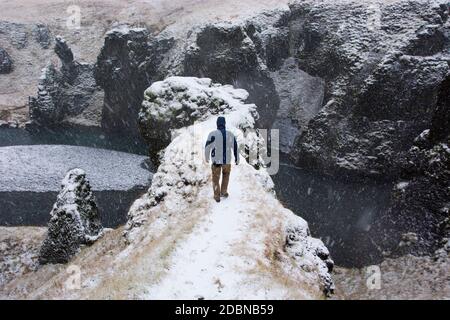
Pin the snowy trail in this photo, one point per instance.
(206, 262)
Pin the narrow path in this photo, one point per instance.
(205, 263)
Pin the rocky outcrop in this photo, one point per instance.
(125, 67)
(74, 220)
(301, 98)
(6, 63)
(179, 101)
(182, 182)
(65, 92)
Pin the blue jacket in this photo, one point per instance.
(219, 144)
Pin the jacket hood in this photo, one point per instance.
(220, 123)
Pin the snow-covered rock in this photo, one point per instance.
(179, 101)
(74, 220)
(229, 236)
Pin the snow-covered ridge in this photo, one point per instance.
(234, 238)
(182, 170)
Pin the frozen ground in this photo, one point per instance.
(40, 168)
(19, 250)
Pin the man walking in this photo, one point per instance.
(218, 147)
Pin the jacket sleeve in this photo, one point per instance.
(208, 146)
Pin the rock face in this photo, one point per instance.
(74, 220)
(385, 67)
(65, 92)
(380, 92)
(125, 68)
(420, 200)
(6, 62)
(227, 54)
(180, 101)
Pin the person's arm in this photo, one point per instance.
(208, 146)
(235, 150)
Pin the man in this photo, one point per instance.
(218, 147)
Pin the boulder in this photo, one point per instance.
(74, 220)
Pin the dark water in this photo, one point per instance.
(339, 212)
(72, 135)
(25, 208)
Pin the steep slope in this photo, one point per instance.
(179, 242)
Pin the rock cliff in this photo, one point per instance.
(66, 92)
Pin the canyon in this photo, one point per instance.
(358, 90)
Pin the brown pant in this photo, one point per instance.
(216, 171)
